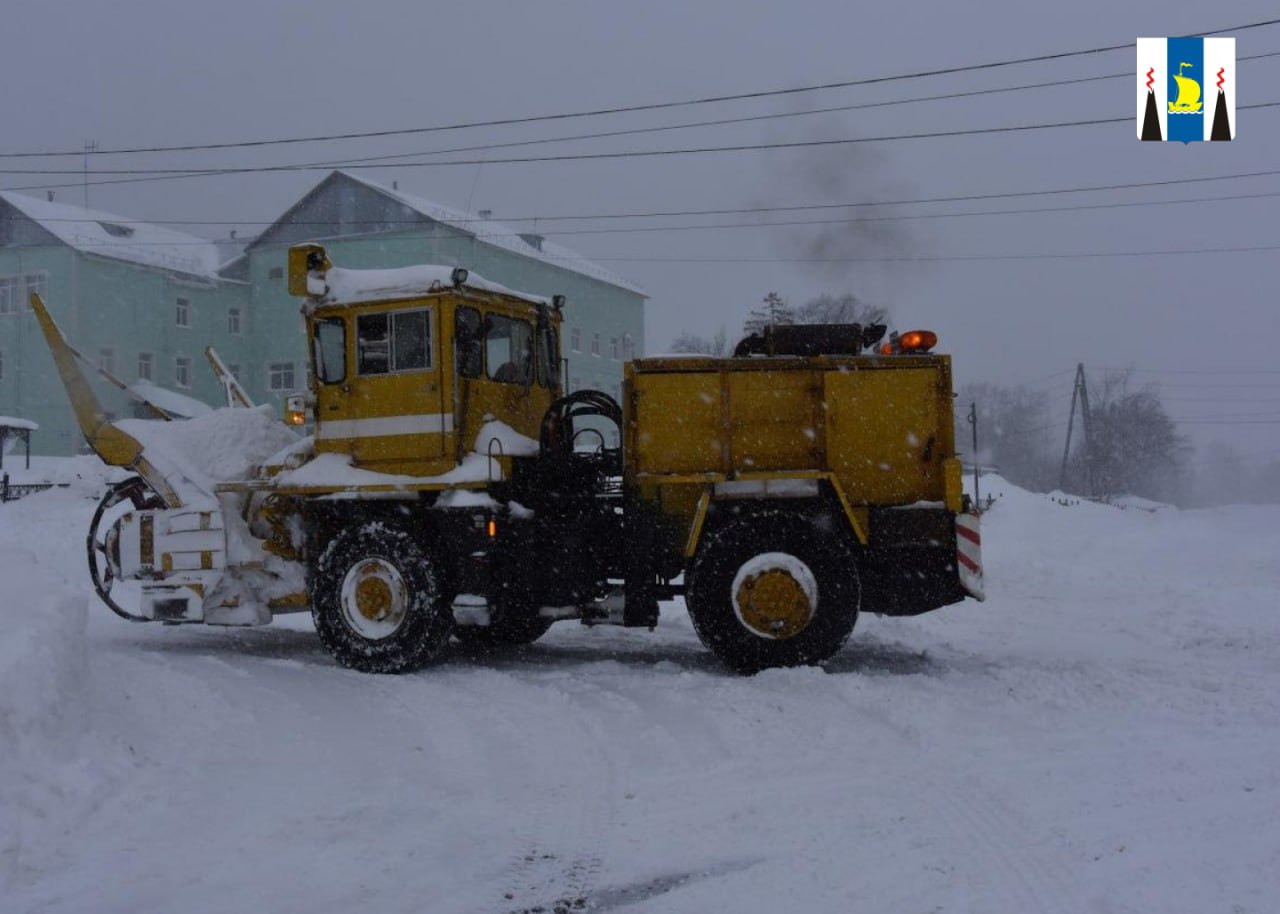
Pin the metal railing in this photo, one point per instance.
(12, 492)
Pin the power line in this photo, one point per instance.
(745, 119)
(957, 198)
(626, 154)
(721, 225)
(960, 257)
(928, 259)
(1273, 387)
(627, 109)
(1206, 370)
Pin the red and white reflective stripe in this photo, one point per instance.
(969, 554)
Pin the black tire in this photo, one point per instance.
(379, 600)
(831, 562)
(504, 630)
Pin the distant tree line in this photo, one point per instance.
(1133, 447)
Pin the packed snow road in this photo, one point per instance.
(1101, 735)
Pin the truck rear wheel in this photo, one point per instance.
(378, 600)
(769, 590)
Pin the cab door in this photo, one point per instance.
(500, 375)
(386, 406)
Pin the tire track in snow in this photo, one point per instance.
(574, 795)
(995, 842)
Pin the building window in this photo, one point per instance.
(233, 321)
(575, 339)
(10, 295)
(628, 347)
(613, 348)
(280, 376)
(234, 371)
(146, 362)
(275, 273)
(182, 371)
(595, 344)
(1, 365)
(107, 360)
(37, 283)
(183, 312)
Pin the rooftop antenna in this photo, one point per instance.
(89, 146)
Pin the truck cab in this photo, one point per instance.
(408, 365)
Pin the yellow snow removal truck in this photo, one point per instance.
(451, 487)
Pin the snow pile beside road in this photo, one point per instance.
(42, 654)
(49, 774)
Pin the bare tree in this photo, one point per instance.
(775, 311)
(1013, 432)
(846, 308)
(717, 345)
(1134, 448)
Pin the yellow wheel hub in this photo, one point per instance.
(373, 598)
(773, 604)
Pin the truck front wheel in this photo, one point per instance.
(771, 589)
(378, 600)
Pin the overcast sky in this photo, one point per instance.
(161, 72)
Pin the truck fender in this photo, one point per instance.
(793, 489)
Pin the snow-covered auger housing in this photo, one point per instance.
(451, 486)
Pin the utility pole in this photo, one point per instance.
(1079, 394)
(89, 146)
(1088, 433)
(1071, 421)
(973, 420)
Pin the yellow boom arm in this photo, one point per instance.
(115, 446)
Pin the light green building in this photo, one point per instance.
(144, 301)
(139, 300)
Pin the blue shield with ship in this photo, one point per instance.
(1177, 78)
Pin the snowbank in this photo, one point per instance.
(47, 777)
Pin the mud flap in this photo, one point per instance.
(969, 555)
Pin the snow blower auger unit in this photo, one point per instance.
(452, 488)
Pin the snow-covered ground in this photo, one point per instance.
(1100, 736)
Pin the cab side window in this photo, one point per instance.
(470, 339)
(395, 341)
(330, 349)
(509, 350)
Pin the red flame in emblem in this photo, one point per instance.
(1221, 70)
(1150, 78)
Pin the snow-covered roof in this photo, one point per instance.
(13, 422)
(119, 237)
(501, 235)
(405, 282)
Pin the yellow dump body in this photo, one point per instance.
(877, 429)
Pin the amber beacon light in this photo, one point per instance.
(918, 341)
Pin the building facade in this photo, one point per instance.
(143, 301)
